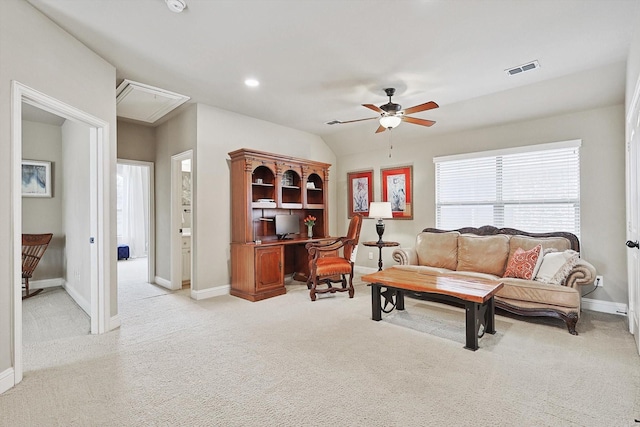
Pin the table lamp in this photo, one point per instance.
(380, 210)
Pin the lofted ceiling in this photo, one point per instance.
(319, 60)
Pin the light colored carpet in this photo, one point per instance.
(52, 315)
(287, 361)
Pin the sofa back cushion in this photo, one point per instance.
(560, 244)
(483, 254)
(438, 249)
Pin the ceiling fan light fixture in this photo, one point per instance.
(176, 6)
(390, 122)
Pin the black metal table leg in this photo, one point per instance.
(376, 308)
(399, 300)
(490, 317)
(471, 319)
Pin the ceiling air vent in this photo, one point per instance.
(145, 103)
(521, 68)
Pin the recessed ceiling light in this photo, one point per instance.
(176, 6)
(252, 83)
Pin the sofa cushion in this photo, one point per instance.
(438, 249)
(556, 266)
(483, 254)
(537, 292)
(525, 242)
(522, 264)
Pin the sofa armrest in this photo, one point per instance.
(405, 256)
(582, 274)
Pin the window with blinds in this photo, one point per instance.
(534, 188)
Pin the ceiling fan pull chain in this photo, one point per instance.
(390, 141)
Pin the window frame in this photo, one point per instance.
(498, 203)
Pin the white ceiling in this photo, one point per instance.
(318, 60)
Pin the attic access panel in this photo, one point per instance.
(145, 103)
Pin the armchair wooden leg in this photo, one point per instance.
(351, 289)
(314, 284)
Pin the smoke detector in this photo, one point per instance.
(522, 68)
(176, 6)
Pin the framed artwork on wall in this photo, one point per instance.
(397, 188)
(36, 178)
(360, 186)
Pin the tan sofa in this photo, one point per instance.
(487, 251)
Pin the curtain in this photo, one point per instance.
(133, 209)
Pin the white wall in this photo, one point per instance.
(602, 183)
(39, 54)
(172, 137)
(76, 212)
(43, 142)
(136, 142)
(220, 132)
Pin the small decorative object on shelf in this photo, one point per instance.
(310, 221)
(287, 178)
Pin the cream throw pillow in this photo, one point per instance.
(556, 266)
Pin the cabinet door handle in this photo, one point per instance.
(633, 244)
(280, 265)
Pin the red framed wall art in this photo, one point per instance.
(397, 188)
(360, 188)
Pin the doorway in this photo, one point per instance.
(135, 221)
(92, 241)
(182, 230)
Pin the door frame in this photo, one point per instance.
(151, 224)
(176, 218)
(100, 252)
(632, 138)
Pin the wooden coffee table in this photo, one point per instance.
(475, 293)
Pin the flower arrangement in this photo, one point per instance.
(310, 220)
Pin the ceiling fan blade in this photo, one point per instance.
(421, 122)
(358, 120)
(372, 107)
(422, 107)
(381, 129)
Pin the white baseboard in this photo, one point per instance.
(79, 299)
(364, 270)
(46, 283)
(605, 306)
(114, 322)
(7, 378)
(211, 292)
(162, 282)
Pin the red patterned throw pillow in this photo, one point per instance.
(522, 264)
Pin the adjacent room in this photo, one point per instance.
(320, 213)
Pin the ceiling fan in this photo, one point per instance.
(392, 114)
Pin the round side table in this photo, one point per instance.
(380, 245)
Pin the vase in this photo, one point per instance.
(309, 231)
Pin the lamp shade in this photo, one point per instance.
(390, 121)
(380, 210)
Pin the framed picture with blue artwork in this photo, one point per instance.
(36, 178)
(397, 188)
(360, 192)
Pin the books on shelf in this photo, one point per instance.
(263, 204)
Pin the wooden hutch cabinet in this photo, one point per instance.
(264, 185)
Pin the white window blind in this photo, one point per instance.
(534, 188)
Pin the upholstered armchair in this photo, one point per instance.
(326, 265)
